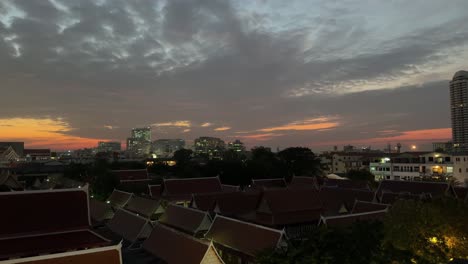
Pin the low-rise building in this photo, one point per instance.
(109, 146)
(414, 166)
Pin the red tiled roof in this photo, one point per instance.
(289, 206)
(43, 211)
(362, 207)
(108, 255)
(175, 189)
(243, 237)
(462, 193)
(413, 187)
(119, 199)
(230, 188)
(142, 206)
(128, 225)
(268, 183)
(348, 219)
(185, 219)
(155, 191)
(100, 211)
(49, 243)
(334, 198)
(347, 184)
(231, 204)
(204, 201)
(174, 247)
(131, 175)
(303, 182)
(390, 198)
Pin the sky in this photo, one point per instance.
(314, 73)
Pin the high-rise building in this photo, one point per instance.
(459, 110)
(210, 146)
(109, 146)
(236, 146)
(164, 148)
(139, 144)
(143, 134)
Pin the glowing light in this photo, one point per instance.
(413, 147)
(433, 240)
(108, 202)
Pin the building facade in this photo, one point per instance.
(210, 147)
(109, 146)
(165, 148)
(412, 166)
(139, 144)
(236, 146)
(460, 168)
(459, 110)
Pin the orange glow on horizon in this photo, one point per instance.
(423, 135)
(43, 133)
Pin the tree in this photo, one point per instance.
(433, 231)
(182, 156)
(104, 181)
(359, 243)
(362, 175)
(264, 164)
(300, 161)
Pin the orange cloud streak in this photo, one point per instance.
(42, 133)
(423, 135)
(308, 124)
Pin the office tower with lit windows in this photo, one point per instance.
(164, 148)
(109, 146)
(459, 110)
(210, 147)
(139, 144)
(236, 146)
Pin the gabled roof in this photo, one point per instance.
(204, 201)
(9, 181)
(268, 183)
(177, 248)
(303, 182)
(100, 211)
(175, 189)
(286, 200)
(347, 184)
(131, 175)
(462, 192)
(415, 187)
(129, 226)
(334, 198)
(119, 199)
(243, 237)
(288, 206)
(362, 207)
(142, 206)
(27, 212)
(348, 219)
(155, 191)
(185, 219)
(390, 198)
(50, 243)
(231, 204)
(230, 188)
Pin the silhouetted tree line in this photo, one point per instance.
(426, 232)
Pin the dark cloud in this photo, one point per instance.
(128, 63)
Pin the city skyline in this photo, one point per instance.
(305, 73)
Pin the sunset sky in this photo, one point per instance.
(314, 73)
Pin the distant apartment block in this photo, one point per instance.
(209, 146)
(165, 148)
(236, 146)
(109, 146)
